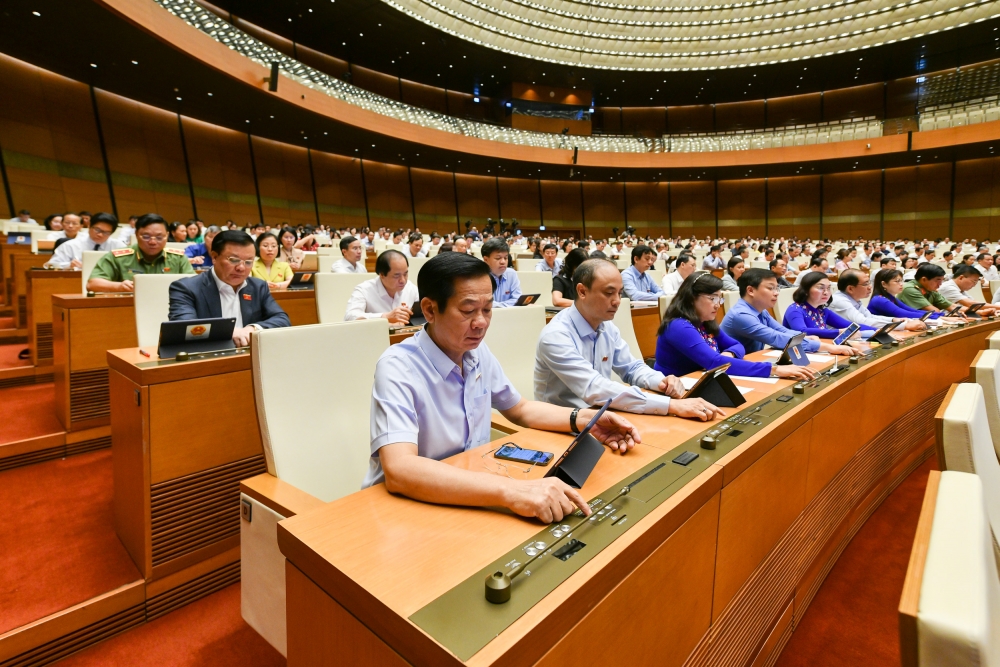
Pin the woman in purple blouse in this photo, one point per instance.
(689, 338)
(809, 313)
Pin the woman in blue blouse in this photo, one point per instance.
(689, 338)
(809, 313)
(886, 286)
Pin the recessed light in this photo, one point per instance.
(93, 65)
(36, 13)
(178, 99)
(135, 62)
(210, 94)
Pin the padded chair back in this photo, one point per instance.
(986, 373)
(784, 301)
(178, 245)
(976, 293)
(995, 288)
(326, 453)
(379, 244)
(759, 264)
(958, 616)
(730, 297)
(624, 261)
(310, 262)
(656, 276)
(525, 264)
(993, 341)
(967, 446)
(432, 250)
(623, 320)
(415, 264)
(664, 304)
(513, 338)
(333, 251)
(90, 259)
(36, 236)
(152, 305)
(324, 263)
(333, 291)
(537, 282)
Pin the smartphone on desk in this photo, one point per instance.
(511, 452)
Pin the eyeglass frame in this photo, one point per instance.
(503, 467)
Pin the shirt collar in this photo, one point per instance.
(221, 286)
(439, 360)
(581, 325)
(844, 295)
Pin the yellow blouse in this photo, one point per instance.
(280, 271)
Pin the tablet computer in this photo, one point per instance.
(302, 280)
(527, 299)
(577, 462)
(973, 308)
(705, 377)
(923, 318)
(846, 334)
(882, 335)
(196, 336)
(793, 352)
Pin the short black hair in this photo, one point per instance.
(106, 218)
(929, 271)
(584, 274)
(753, 278)
(383, 263)
(684, 258)
(149, 219)
(229, 236)
(436, 280)
(774, 262)
(639, 251)
(494, 245)
(850, 278)
(346, 242)
(965, 270)
(816, 261)
(550, 246)
(414, 237)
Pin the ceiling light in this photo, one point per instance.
(36, 13)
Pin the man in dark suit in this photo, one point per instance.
(227, 290)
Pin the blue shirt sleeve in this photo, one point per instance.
(510, 284)
(686, 342)
(795, 318)
(636, 291)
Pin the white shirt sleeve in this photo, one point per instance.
(358, 303)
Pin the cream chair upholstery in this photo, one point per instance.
(986, 373)
(512, 338)
(324, 263)
(38, 235)
(623, 320)
(624, 261)
(976, 293)
(664, 304)
(152, 305)
(415, 264)
(332, 251)
(537, 282)
(432, 250)
(325, 455)
(958, 614)
(967, 446)
(729, 299)
(90, 259)
(784, 301)
(656, 276)
(333, 291)
(993, 341)
(178, 245)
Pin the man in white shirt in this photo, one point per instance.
(550, 261)
(984, 264)
(350, 248)
(672, 282)
(69, 255)
(581, 346)
(460, 245)
(415, 246)
(23, 218)
(855, 285)
(954, 289)
(128, 233)
(389, 295)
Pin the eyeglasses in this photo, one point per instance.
(236, 261)
(714, 298)
(498, 468)
(100, 232)
(823, 288)
(149, 238)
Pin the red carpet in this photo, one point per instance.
(9, 353)
(209, 632)
(852, 620)
(58, 539)
(35, 410)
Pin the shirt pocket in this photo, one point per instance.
(481, 419)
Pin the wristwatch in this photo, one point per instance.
(572, 421)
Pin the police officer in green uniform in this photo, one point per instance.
(114, 271)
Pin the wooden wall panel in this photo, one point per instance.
(647, 121)
(285, 183)
(739, 116)
(855, 102)
(221, 173)
(692, 208)
(793, 110)
(376, 82)
(321, 61)
(50, 144)
(339, 190)
(146, 158)
(434, 200)
(694, 118)
(852, 204)
(477, 199)
(977, 199)
(648, 208)
(741, 208)
(917, 201)
(428, 97)
(388, 188)
(608, 119)
(603, 208)
(793, 206)
(901, 97)
(561, 205)
(519, 200)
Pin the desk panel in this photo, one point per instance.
(40, 288)
(21, 265)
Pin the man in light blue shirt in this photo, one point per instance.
(713, 261)
(581, 346)
(637, 283)
(551, 262)
(749, 322)
(496, 253)
(432, 398)
(853, 286)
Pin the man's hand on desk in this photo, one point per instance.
(913, 325)
(695, 408)
(126, 286)
(399, 315)
(76, 264)
(672, 386)
(615, 431)
(548, 499)
(242, 336)
(792, 372)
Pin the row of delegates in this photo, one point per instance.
(809, 314)
(888, 285)
(432, 398)
(854, 286)
(69, 255)
(922, 293)
(389, 295)
(581, 347)
(689, 338)
(267, 267)
(750, 323)
(150, 255)
(229, 290)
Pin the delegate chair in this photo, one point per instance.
(332, 250)
(729, 299)
(993, 341)
(965, 444)
(36, 236)
(333, 290)
(976, 294)
(664, 304)
(623, 320)
(415, 264)
(537, 282)
(986, 373)
(784, 301)
(512, 338)
(90, 259)
(311, 458)
(152, 305)
(324, 262)
(624, 261)
(949, 612)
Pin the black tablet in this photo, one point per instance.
(196, 336)
(705, 377)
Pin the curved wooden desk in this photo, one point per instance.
(718, 574)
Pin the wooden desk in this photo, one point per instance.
(84, 328)
(41, 286)
(183, 436)
(21, 264)
(718, 574)
(7, 252)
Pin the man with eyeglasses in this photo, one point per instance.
(114, 271)
(854, 286)
(69, 255)
(228, 290)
